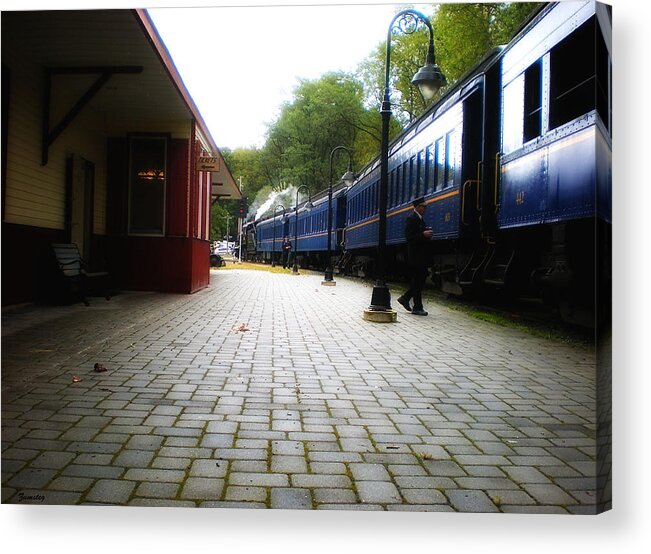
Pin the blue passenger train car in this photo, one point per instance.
(269, 237)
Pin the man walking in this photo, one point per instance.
(418, 237)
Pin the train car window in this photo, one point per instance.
(450, 158)
(421, 188)
(396, 190)
(572, 83)
(405, 182)
(376, 201)
(398, 186)
(532, 101)
(392, 189)
(604, 81)
(431, 169)
(513, 115)
(440, 164)
(413, 178)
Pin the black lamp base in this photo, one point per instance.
(381, 297)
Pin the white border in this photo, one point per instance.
(624, 529)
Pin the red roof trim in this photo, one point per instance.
(159, 46)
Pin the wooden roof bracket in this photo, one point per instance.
(49, 136)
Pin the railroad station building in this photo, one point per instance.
(102, 146)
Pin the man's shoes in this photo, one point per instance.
(404, 303)
(419, 312)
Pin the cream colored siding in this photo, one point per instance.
(35, 194)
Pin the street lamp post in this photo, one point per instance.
(273, 242)
(308, 206)
(348, 178)
(429, 79)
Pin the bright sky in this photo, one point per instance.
(218, 49)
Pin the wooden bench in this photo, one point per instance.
(73, 270)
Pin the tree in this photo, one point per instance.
(248, 165)
(407, 56)
(325, 113)
(467, 32)
(218, 217)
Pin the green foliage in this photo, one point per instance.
(248, 164)
(408, 52)
(464, 33)
(325, 113)
(218, 220)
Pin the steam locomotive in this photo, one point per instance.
(514, 162)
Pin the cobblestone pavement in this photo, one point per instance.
(269, 390)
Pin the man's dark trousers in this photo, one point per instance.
(418, 278)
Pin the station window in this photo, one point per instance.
(147, 183)
(532, 101)
(5, 129)
(573, 69)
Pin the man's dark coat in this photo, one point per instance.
(417, 244)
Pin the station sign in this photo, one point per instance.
(207, 163)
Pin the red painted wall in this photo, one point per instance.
(200, 265)
(177, 188)
(174, 263)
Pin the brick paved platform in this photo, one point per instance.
(269, 390)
